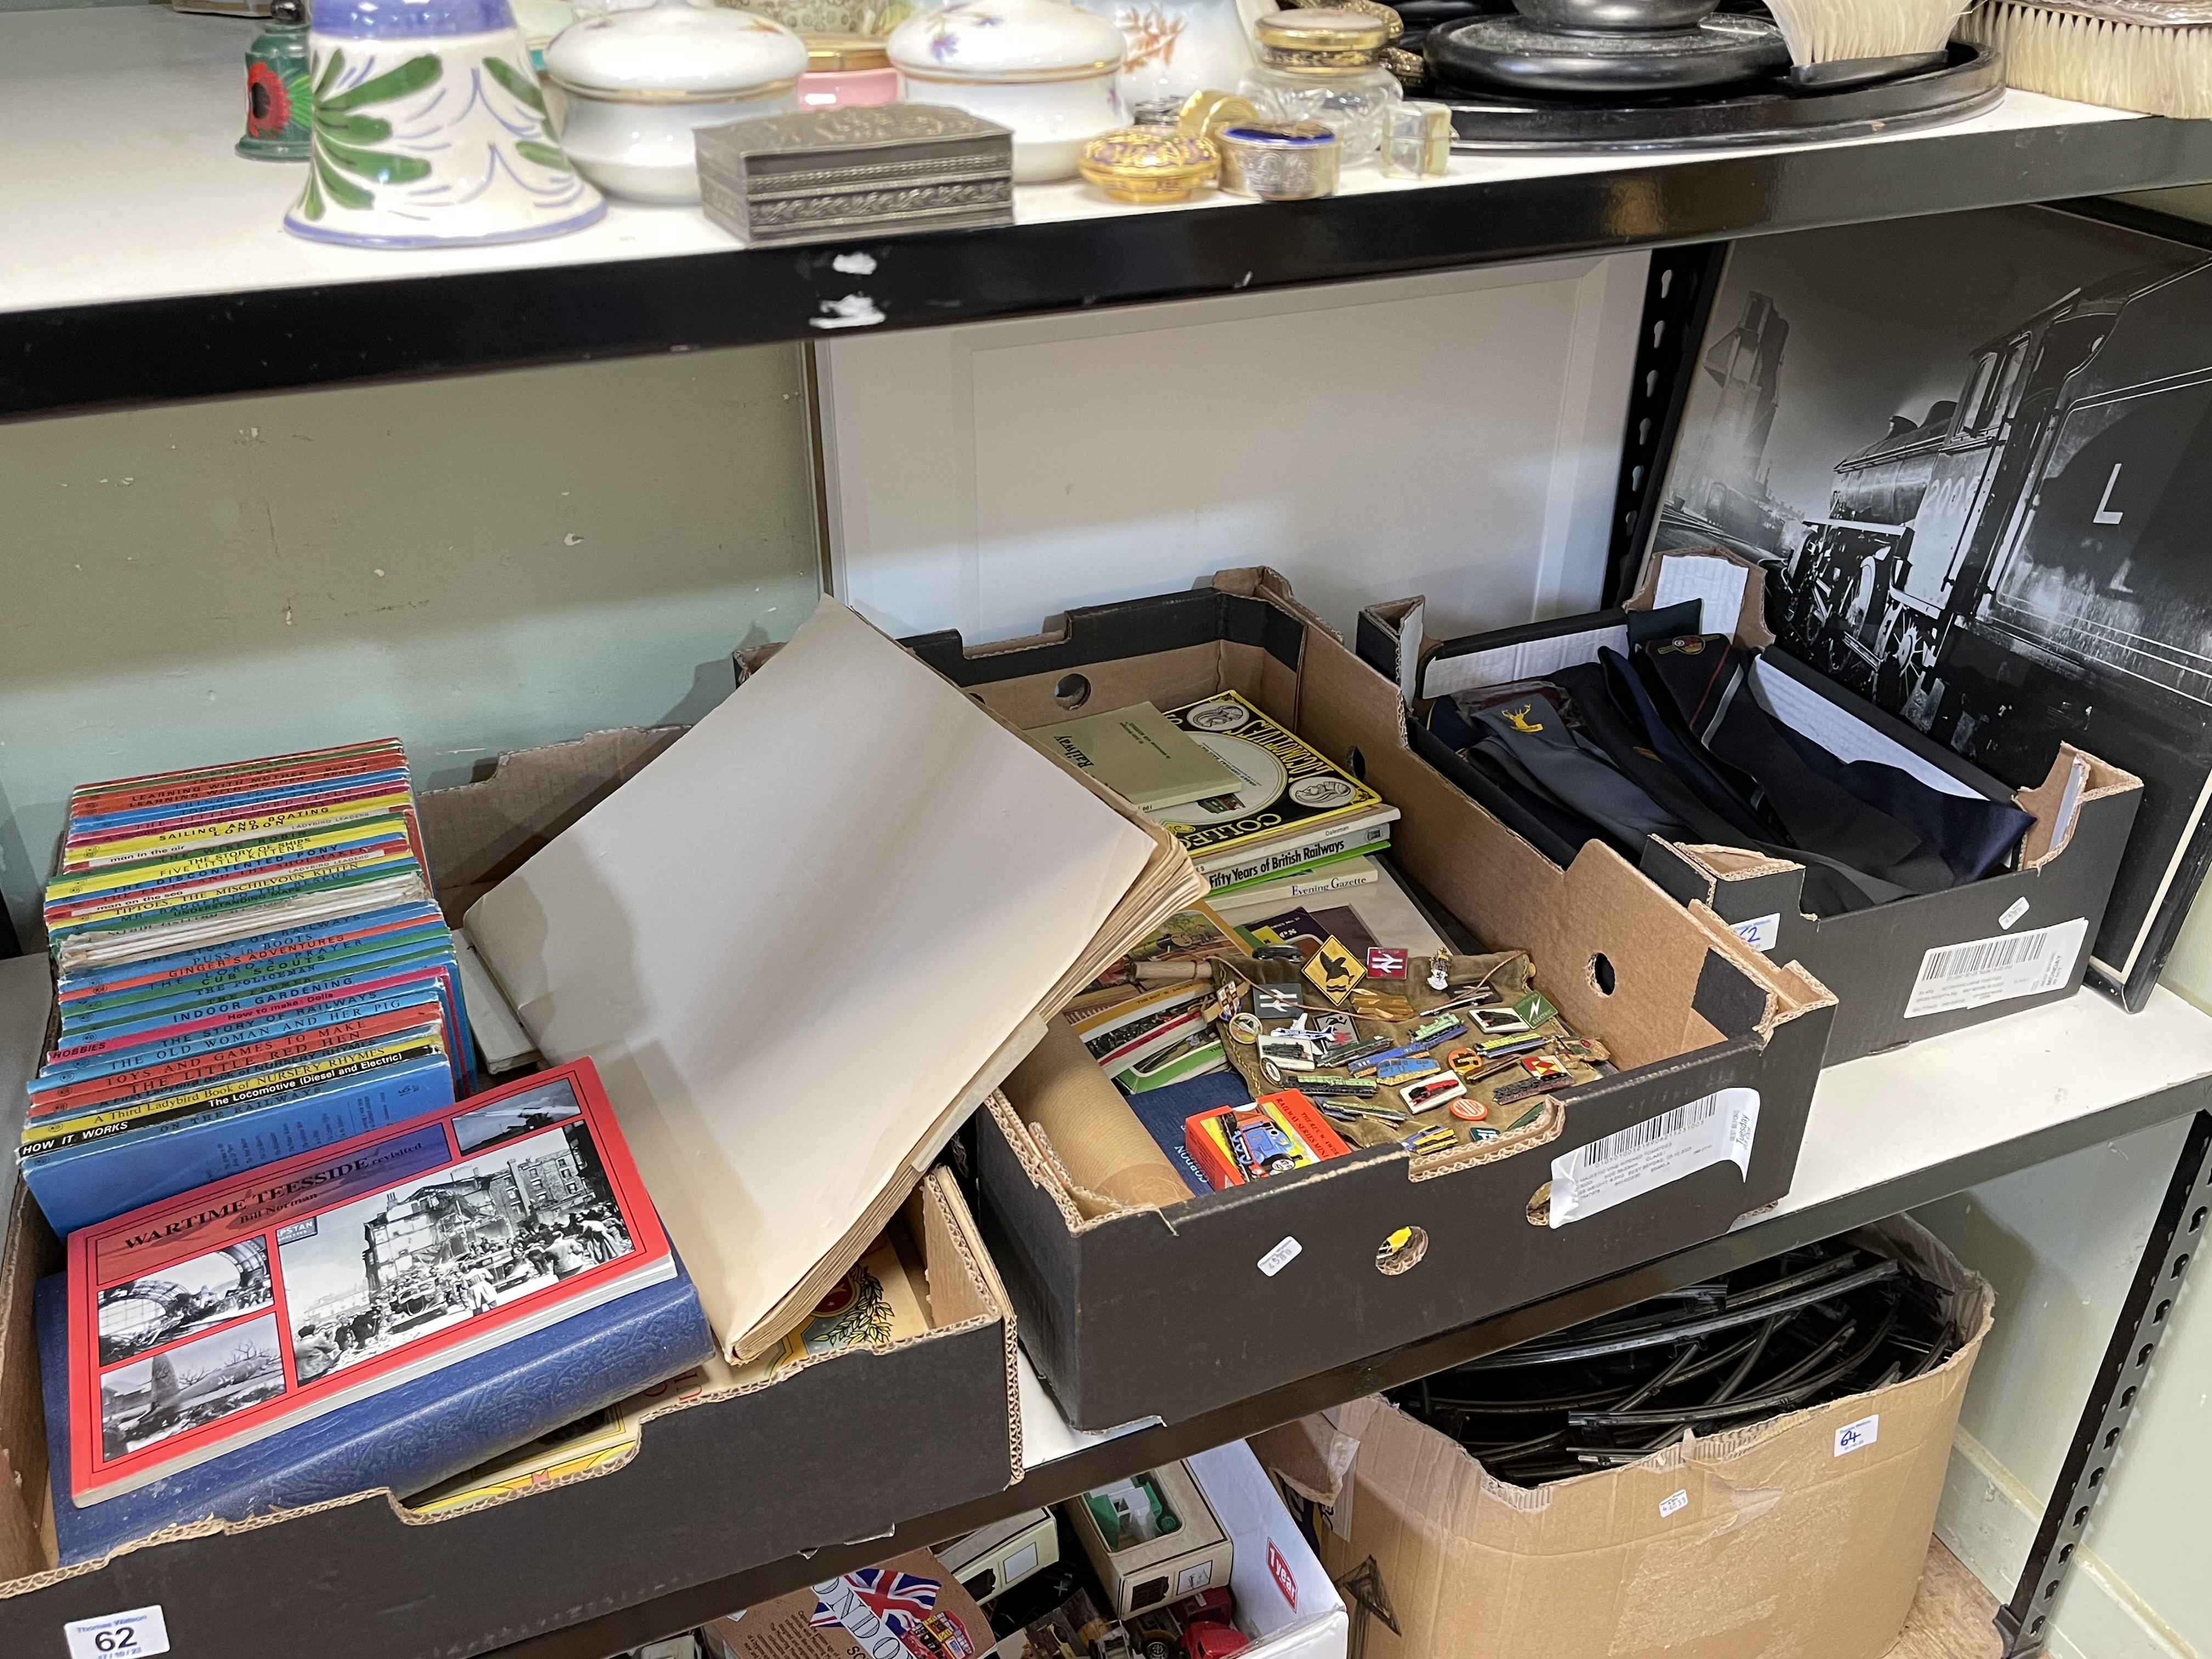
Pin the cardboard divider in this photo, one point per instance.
(1686, 1008)
(1871, 959)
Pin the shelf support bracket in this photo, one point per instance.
(1678, 299)
(2176, 1236)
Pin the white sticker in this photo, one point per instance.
(1760, 932)
(1864, 1432)
(1668, 1506)
(1020, 1564)
(1193, 1579)
(1717, 1129)
(138, 1634)
(1280, 1257)
(1997, 969)
(2012, 912)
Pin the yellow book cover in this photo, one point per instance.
(1287, 788)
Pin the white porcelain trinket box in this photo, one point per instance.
(640, 82)
(1045, 70)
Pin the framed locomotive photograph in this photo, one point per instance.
(1973, 454)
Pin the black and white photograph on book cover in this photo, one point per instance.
(411, 1261)
(193, 1384)
(161, 1307)
(551, 1101)
(1973, 455)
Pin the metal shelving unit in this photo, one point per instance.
(143, 264)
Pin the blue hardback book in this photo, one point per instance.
(80, 1186)
(1162, 1113)
(405, 1438)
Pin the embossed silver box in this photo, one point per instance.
(878, 170)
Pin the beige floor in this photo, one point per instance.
(1951, 1619)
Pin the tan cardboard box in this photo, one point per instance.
(1196, 1556)
(1804, 1535)
(910, 1604)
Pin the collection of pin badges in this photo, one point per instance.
(1346, 1034)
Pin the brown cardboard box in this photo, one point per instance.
(844, 1440)
(1803, 1535)
(844, 1618)
(1291, 1276)
(1874, 960)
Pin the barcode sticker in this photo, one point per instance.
(1279, 1258)
(1760, 932)
(1997, 969)
(138, 1634)
(1715, 1128)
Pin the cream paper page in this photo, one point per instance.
(794, 941)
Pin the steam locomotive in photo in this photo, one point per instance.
(2036, 545)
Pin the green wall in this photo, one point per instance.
(470, 564)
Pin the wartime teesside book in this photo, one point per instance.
(1290, 793)
(1140, 755)
(206, 1323)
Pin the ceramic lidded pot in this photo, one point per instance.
(1043, 70)
(430, 130)
(638, 82)
(1177, 47)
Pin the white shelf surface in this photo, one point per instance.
(118, 123)
(1890, 1116)
(1886, 1116)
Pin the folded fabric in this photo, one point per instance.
(1709, 680)
(1676, 739)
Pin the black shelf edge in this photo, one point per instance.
(137, 352)
(1055, 1482)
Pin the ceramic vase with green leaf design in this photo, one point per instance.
(430, 130)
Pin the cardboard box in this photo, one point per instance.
(997, 1557)
(847, 1618)
(1281, 1278)
(1871, 959)
(1284, 1601)
(1151, 1573)
(1804, 1535)
(843, 1441)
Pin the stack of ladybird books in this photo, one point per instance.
(249, 965)
(386, 1311)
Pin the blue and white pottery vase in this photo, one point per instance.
(430, 130)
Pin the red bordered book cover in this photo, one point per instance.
(210, 1320)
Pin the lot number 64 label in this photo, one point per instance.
(140, 1634)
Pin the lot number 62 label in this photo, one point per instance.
(140, 1634)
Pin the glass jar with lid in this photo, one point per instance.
(1323, 64)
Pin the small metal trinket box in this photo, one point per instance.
(1278, 161)
(880, 170)
(1149, 165)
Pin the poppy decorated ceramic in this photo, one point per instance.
(429, 130)
(276, 88)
